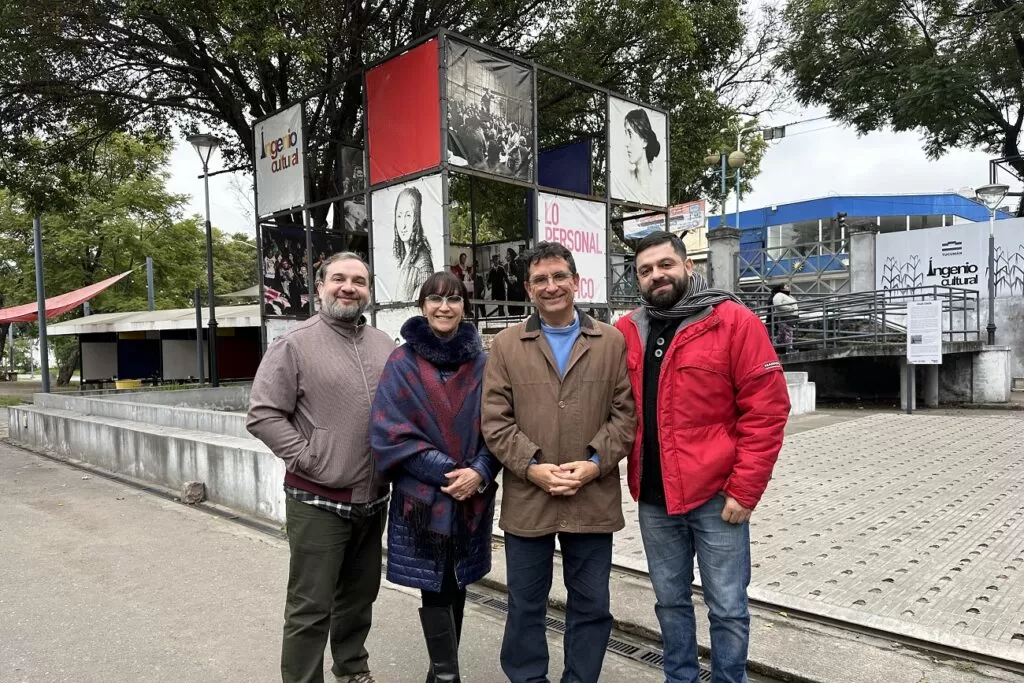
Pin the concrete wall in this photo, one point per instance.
(956, 378)
(150, 413)
(803, 396)
(231, 397)
(962, 378)
(869, 379)
(238, 473)
(1009, 328)
(992, 375)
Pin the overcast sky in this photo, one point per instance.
(822, 158)
(815, 159)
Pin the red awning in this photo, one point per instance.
(59, 304)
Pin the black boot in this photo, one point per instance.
(442, 645)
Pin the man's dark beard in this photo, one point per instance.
(668, 298)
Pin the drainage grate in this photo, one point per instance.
(636, 651)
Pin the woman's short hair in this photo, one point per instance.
(442, 283)
(638, 120)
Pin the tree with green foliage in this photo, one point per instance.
(951, 70)
(73, 73)
(103, 212)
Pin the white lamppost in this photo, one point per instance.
(204, 145)
(992, 196)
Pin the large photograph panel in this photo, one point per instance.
(638, 166)
(408, 238)
(286, 275)
(490, 113)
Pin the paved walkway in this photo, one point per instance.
(99, 583)
(911, 523)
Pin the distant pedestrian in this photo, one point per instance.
(425, 436)
(783, 315)
(310, 403)
(712, 404)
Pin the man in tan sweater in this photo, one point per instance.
(310, 404)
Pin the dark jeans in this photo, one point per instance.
(586, 566)
(333, 579)
(450, 595)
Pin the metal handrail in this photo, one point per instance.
(869, 318)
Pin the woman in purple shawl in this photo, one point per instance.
(425, 436)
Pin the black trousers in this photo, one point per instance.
(450, 595)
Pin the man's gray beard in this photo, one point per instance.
(345, 313)
(667, 300)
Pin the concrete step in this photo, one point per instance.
(166, 409)
(239, 472)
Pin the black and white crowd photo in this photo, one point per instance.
(286, 272)
(490, 113)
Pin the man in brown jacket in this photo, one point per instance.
(310, 404)
(558, 412)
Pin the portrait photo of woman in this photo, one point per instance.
(638, 160)
(411, 249)
(407, 232)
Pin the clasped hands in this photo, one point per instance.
(462, 483)
(563, 480)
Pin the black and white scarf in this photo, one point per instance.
(697, 297)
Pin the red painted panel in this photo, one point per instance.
(404, 112)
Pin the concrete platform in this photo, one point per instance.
(838, 477)
(100, 582)
(911, 524)
(133, 587)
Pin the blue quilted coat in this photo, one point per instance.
(426, 423)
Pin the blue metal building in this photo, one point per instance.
(809, 234)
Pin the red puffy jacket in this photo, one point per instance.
(722, 407)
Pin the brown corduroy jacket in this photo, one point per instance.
(529, 411)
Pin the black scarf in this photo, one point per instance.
(697, 297)
(442, 352)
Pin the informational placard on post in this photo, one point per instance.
(581, 226)
(924, 332)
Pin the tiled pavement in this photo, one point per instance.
(909, 523)
(913, 524)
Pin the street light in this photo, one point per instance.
(713, 159)
(992, 196)
(735, 160)
(204, 145)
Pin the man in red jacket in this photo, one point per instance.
(712, 405)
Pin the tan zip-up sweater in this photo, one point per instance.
(310, 404)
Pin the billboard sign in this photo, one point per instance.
(280, 170)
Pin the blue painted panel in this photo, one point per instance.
(858, 207)
(566, 167)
